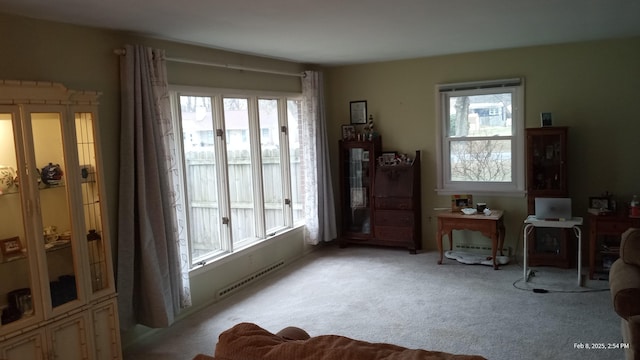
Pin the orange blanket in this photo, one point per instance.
(247, 341)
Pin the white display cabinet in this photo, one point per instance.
(57, 291)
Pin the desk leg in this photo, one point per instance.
(578, 233)
(497, 242)
(439, 243)
(593, 236)
(494, 248)
(527, 230)
(501, 234)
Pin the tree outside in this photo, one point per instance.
(479, 137)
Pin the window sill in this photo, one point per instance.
(223, 258)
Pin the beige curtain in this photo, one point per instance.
(319, 207)
(152, 276)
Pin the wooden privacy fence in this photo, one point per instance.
(202, 191)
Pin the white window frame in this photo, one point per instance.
(446, 186)
(262, 234)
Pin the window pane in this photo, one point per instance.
(480, 115)
(294, 118)
(201, 176)
(271, 165)
(481, 160)
(236, 119)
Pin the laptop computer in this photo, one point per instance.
(553, 208)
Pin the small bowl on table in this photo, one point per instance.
(469, 211)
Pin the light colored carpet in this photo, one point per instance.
(388, 295)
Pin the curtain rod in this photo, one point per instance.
(226, 66)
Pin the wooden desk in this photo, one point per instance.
(491, 226)
(606, 225)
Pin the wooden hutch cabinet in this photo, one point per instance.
(397, 205)
(380, 203)
(57, 291)
(604, 240)
(546, 156)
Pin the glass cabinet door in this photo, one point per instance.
(16, 271)
(91, 205)
(357, 179)
(53, 198)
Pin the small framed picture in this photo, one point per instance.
(358, 111)
(348, 132)
(600, 203)
(545, 119)
(459, 202)
(388, 158)
(10, 246)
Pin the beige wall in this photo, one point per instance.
(590, 87)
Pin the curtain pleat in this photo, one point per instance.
(319, 206)
(150, 278)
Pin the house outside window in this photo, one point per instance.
(481, 138)
(240, 166)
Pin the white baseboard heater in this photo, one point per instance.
(237, 285)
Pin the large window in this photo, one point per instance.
(241, 168)
(481, 140)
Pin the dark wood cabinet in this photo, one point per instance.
(604, 240)
(380, 203)
(546, 156)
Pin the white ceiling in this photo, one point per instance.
(337, 32)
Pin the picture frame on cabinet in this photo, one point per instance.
(389, 157)
(600, 203)
(348, 132)
(459, 202)
(546, 119)
(358, 110)
(10, 246)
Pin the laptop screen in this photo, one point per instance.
(553, 208)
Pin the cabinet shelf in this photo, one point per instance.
(9, 193)
(23, 254)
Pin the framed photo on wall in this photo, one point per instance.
(11, 246)
(358, 111)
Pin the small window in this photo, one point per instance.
(481, 138)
